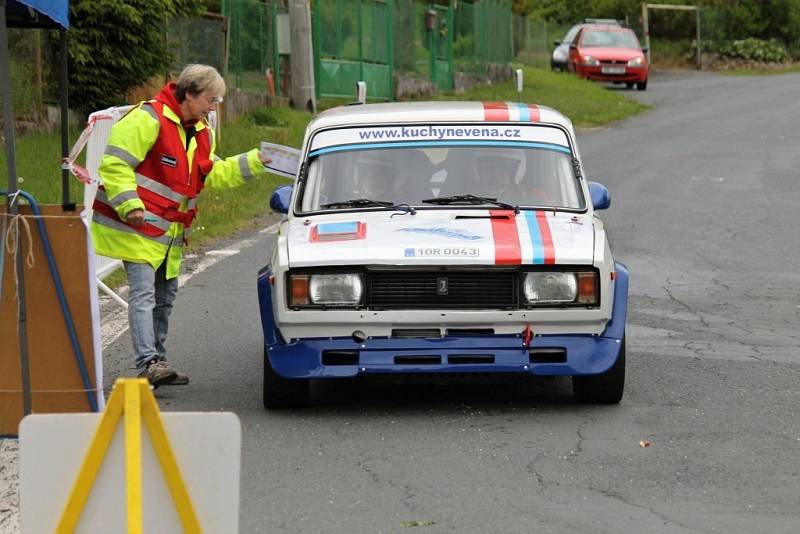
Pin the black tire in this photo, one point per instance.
(629, 85)
(282, 392)
(605, 388)
(641, 85)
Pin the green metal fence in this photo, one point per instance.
(198, 40)
(483, 34)
(34, 75)
(253, 44)
(534, 41)
(353, 41)
(371, 39)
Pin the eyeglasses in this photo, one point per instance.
(213, 99)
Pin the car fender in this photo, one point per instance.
(615, 328)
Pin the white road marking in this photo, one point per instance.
(223, 252)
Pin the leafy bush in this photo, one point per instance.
(772, 51)
(117, 45)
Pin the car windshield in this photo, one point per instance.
(571, 34)
(436, 176)
(621, 39)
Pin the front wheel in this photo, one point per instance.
(282, 392)
(605, 388)
(641, 85)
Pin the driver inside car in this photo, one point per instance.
(499, 172)
(377, 178)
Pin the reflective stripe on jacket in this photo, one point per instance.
(129, 171)
(165, 179)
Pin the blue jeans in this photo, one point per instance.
(150, 297)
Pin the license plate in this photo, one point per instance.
(613, 70)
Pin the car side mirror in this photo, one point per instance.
(601, 199)
(280, 199)
(644, 49)
(556, 42)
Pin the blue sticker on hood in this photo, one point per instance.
(444, 232)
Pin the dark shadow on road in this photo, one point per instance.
(428, 394)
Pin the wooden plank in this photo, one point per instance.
(54, 374)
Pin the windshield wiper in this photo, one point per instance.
(470, 199)
(358, 203)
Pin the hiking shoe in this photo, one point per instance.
(158, 372)
(180, 380)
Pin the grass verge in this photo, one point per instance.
(225, 212)
(766, 70)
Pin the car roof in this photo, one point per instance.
(613, 22)
(607, 27)
(437, 112)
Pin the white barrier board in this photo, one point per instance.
(207, 449)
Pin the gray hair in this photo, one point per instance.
(197, 79)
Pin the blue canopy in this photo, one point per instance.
(45, 14)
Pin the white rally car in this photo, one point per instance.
(442, 237)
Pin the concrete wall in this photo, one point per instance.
(407, 86)
(238, 102)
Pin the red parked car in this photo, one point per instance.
(609, 54)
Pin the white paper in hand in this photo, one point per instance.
(285, 160)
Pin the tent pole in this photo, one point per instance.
(13, 208)
(11, 164)
(66, 203)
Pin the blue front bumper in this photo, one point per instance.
(569, 354)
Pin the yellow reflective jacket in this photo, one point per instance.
(131, 139)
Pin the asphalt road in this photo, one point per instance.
(704, 213)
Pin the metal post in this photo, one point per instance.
(316, 30)
(13, 209)
(699, 45)
(646, 31)
(510, 50)
(390, 45)
(360, 42)
(276, 58)
(11, 164)
(238, 8)
(432, 46)
(449, 37)
(66, 203)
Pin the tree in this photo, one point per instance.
(117, 45)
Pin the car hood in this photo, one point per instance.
(607, 53)
(452, 237)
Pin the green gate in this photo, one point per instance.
(439, 26)
(352, 42)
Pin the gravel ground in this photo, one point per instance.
(9, 484)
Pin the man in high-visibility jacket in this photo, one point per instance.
(158, 158)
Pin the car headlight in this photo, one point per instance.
(590, 61)
(334, 289)
(636, 62)
(561, 287)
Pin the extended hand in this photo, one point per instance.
(264, 159)
(135, 217)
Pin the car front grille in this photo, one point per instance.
(443, 289)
